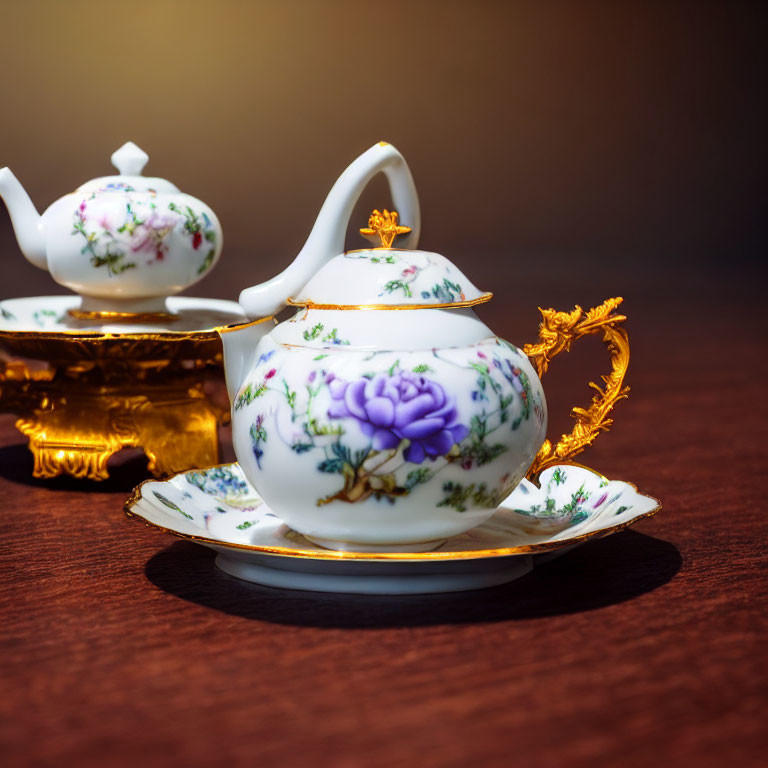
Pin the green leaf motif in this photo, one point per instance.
(207, 261)
(445, 292)
(314, 333)
(559, 476)
(171, 505)
(333, 338)
(477, 449)
(457, 496)
(248, 395)
(481, 452)
(416, 477)
(290, 395)
(114, 262)
(399, 285)
(331, 466)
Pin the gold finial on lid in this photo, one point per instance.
(384, 224)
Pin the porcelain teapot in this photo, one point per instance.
(384, 415)
(124, 243)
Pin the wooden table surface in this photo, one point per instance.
(122, 646)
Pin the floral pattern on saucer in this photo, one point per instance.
(226, 485)
(568, 496)
(218, 507)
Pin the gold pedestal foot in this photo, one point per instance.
(57, 449)
(74, 427)
(178, 434)
(176, 426)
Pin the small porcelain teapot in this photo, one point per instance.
(384, 414)
(124, 243)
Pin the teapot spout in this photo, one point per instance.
(27, 223)
(240, 343)
(326, 239)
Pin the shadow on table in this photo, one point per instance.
(597, 574)
(126, 470)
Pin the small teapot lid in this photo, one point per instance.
(129, 161)
(387, 277)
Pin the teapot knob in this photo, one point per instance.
(384, 226)
(129, 159)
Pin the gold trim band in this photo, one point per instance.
(241, 326)
(371, 248)
(207, 334)
(450, 305)
(128, 317)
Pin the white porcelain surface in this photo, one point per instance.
(220, 509)
(50, 314)
(390, 276)
(387, 447)
(123, 242)
(407, 329)
(379, 427)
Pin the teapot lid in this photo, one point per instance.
(383, 277)
(129, 161)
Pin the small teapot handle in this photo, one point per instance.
(556, 333)
(326, 239)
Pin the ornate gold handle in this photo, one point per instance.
(556, 333)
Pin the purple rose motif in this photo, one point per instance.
(391, 407)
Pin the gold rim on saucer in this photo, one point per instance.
(292, 552)
(164, 335)
(123, 317)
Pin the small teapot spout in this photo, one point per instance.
(326, 239)
(26, 220)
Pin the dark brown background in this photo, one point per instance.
(564, 152)
(556, 141)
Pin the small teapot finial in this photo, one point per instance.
(129, 159)
(384, 225)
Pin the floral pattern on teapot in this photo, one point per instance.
(390, 276)
(319, 333)
(143, 230)
(389, 428)
(412, 280)
(124, 243)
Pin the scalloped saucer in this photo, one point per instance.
(47, 315)
(217, 507)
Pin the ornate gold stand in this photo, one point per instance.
(81, 399)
